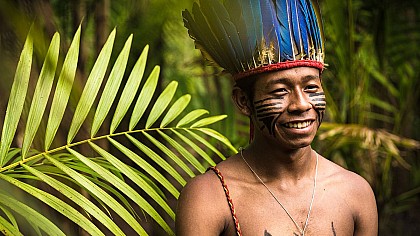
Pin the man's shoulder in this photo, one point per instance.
(353, 189)
(356, 192)
(202, 185)
(340, 176)
(202, 206)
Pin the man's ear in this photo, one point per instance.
(241, 101)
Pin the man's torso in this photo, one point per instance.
(259, 213)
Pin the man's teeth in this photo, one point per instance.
(298, 125)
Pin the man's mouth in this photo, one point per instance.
(298, 125)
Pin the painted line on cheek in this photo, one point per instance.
(316, 94)
(267, 114)
(268, 99)
(267, 105)
(320, 105)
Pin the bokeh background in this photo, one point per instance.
(372, 82)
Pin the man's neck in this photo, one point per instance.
(276, 163)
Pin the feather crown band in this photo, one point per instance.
(247, 37)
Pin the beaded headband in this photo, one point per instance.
(248, 37)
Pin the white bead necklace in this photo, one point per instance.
(302, 231)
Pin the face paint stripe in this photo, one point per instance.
(268, 105)
(265, 110)
(267, 115)
(270, 123)
(316, 94)
(318, 99)
(267, 99)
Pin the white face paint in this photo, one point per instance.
(289, 105)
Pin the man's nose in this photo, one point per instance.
(298, 102)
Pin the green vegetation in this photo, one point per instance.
(96, 140)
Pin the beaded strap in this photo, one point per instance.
(229, 199)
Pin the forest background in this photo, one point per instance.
(372, 81)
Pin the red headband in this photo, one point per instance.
(280, 66)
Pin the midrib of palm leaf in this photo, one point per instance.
(190, 131)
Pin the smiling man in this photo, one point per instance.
(278, 185)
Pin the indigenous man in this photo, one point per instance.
(278, 185)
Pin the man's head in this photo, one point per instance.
(264, 44)
(285, 105)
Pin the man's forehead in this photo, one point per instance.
(291, 76)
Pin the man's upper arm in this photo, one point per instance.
(198, 210)
(366, 211)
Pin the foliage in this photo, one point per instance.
(93, 180)
(372, 83)
(373, 87)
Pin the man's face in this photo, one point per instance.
(288, 106)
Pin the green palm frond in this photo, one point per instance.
(373, 146)
(90, 183)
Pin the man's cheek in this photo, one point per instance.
(319, 103)
(267, 113)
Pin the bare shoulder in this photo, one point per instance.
(347, 181)
(356, 193)
(202, 207)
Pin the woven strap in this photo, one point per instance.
(229, 200)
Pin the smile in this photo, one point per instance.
(298, 125)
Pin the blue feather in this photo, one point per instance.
(305, 8)
(269, 30)
(303, 26)
(316, 27)
(251, 29)
(286, 40)
(257, 20)
(295, 27)
(303, 30)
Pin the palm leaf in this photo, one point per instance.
(94, 184)
(8, 229)
(92, 87)
(42, 91)
(100, 193)
(111, 87)
(38, 219)
(161, 104)
(62, 93)
(16, 99)
(78, 198)
(57, 204)
(130, 90)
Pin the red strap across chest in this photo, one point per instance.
(229, 200)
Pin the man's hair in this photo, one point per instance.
(247, 85)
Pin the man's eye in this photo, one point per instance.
(312, 88)
(279, 90)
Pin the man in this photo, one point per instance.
(278, 185)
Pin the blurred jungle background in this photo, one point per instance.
(372, 82)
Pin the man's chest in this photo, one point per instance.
(259, 213)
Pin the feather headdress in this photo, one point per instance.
(247, 37)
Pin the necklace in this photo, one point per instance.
(302, 231)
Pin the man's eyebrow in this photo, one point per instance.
(278, 81)
(288, 82)
(310, 77)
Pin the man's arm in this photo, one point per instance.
(200, 208)
(366, 214)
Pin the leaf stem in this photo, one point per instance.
(41, 154)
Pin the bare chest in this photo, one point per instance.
(259, 213)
